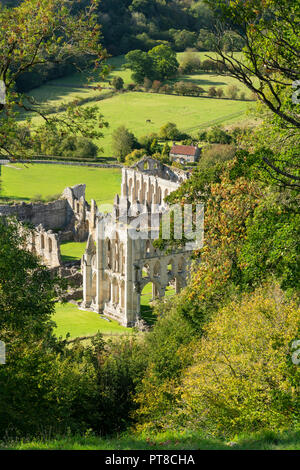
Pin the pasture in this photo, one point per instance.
(134, 109)
(25, 182)
(188, 113)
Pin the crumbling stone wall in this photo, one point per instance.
(67, 219)
(116, 266)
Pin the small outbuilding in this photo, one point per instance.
(185, 153)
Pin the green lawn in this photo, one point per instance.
(172, 440)
(69, 319)
(23, 182)
(71, 251)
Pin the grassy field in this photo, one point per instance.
(24, 182)
(189, 114)
(69, 319)
(134, 109)
(171, 440)
(71, 251)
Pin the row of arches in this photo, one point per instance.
(113, 290)
(157, 268)
(142, 191)
(115, 255)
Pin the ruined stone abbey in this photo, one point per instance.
(120, 258)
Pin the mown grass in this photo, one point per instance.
(24, 182)
(71, 251)
(69, 319)
(185, 440)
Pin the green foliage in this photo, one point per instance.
(141, 65)
(188, 88)
(27, 289)
(123, 142)
(117, 83)
(167, 353)
(217, 135)
(215, 153)
(158, 64)
(69, 147)
(189, 63)
(37, 33)
(169, 131)
(273, 242)
(243, 378)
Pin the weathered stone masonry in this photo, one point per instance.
(116, 265)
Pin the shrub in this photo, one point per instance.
(190, 63)
(212, 91)
(217, 135)
(232, 92)
(169, 131)
(243, 378)
(215, 153)
(156, 85)
(123, 142)
(147, 83)
(117, 83)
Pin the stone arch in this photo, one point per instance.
(122, 258)
(146, 271)
(171, 267)
(94, 262)
(50, 245)
(107, 288)
(129, 186)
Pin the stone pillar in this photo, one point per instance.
(87, 281)
(100, 265)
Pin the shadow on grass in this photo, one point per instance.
(148, 315)
(12, 199)
(66, 258)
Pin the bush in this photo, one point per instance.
(190, 63)
(169, 131)
(167, 353)
(71, 147)
(123, 142)
(243, 378)
(215, 153)
(232, 92)
(117, 83)
(212, 91)
(217, 135)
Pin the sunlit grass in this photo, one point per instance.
(69, 319)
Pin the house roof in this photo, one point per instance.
(184, 150)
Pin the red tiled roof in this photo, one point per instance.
(184, 149)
